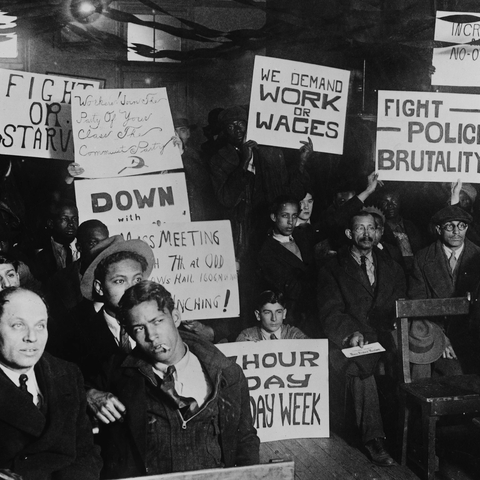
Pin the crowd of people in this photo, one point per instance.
(102, 379)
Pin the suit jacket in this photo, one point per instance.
(55, 446)
(124, 447)
(431, 276)
(347, 302)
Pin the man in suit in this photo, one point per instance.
(186, 405)
(45, 432)
(449, 267)
(356, 297)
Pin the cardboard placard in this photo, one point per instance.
(35, 113)
(124, 132)
(288, 383)
(428, 137)
(195, 262)
(458, 62)
(291, 101)
(136, 200)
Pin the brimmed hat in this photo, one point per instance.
(426, 342)
(183, 122)
(450, 213)
(104, 249)
(231, 114)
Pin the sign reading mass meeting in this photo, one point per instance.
(35, 113)
(288, 384)
(428, 137)
(124, 132)
(291, 101)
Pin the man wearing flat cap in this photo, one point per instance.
(248, 177)
(449, 267)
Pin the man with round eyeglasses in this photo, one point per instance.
(449, 267)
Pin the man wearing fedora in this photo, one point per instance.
(449, 267)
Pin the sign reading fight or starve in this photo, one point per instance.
(428, 137)
(288, 383)
(291, 101)
(195, 262)
(124, 132)
(141, 199)
(457, 59)
(35, 114)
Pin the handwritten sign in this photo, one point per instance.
(35, 114)
(457, 62)
(123, 132)
(291, 101)
(141, 199)
(195, 262)
(426, 136)
(288, 383)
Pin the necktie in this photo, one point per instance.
(273, 337)
(68, 254)
(363, 264)
(187, 405)
(124, 343)
(23, 385)
(452, 261)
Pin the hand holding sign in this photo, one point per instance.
(306, 150)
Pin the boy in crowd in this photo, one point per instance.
(270, 313)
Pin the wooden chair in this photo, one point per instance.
(437, 396)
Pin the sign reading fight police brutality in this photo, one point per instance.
(35, 114)
(140, 199)
(427, 136)
(457, 62)
(291, 101)
(288, 384)
(124, 132)
(195, 262)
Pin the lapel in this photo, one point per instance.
(18, 410)
(101, 334)
(286, 255)
(353, 270)
(437, 272)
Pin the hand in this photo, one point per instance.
(73, 170)
(200, 329)
(449, 352)
(356, 340)
(6, 474)
(372, 183)
(177, 141)
(105, 406)
(247, 151)
(455, 189)
(306, 150)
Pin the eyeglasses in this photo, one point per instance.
(363, 229)
(450, 227)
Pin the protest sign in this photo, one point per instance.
(288, 384)
(140, 199)
(195, 262)
(291, 101)
(457, 61)
(427, 136)
(124, 132)
(35, 114)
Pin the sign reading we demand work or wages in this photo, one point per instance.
(427, 136)
(144, 199)
(35, 114)
(291, 101)
(457, 59)
(123, 132)
(288, 384)
(195, 262)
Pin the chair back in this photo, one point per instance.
(406, 310)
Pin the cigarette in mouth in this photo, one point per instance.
(165, 347)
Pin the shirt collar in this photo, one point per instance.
(457, 252)
(282, 238)
(266, 335)
(357, 256)
(13, 375)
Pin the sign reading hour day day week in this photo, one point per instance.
(288, 384)
(195, 262)
(124, 132)
(291, 101)
(139, 199)
(427, 136)
(457, 60)
(35, 114)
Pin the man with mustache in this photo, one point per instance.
(449, 267)
(356, 295)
